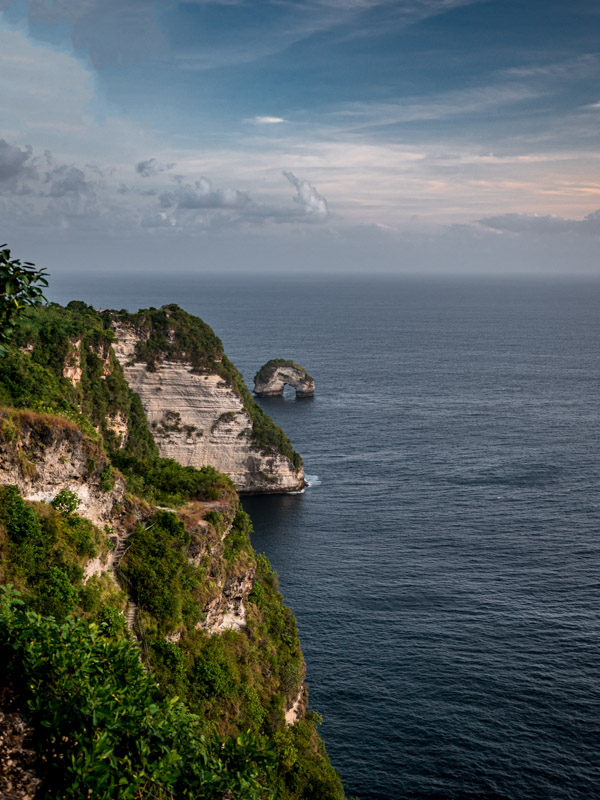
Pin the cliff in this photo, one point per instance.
(207, 615)
(199, 416)
(153, 559)
(155, 382)
(271, 378)
(42, 454)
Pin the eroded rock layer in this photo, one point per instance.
(199, 419)
(42, 454)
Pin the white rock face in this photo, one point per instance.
(272, 385)
(48, 457)
(298, 708)
(200, 420)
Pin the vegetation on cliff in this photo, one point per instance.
(104, 727)
(237, 684)
(76, 340)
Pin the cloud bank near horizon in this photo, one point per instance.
(197, 118)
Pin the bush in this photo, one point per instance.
(101, 728)
(55, 593)
(66, 502)
(18, 290)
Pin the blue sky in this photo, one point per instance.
(359, 135)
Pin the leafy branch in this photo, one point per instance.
(18, 290)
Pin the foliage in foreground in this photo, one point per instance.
(18, 290)
(235, 682)
(102, 729)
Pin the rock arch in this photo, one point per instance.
(275, 374)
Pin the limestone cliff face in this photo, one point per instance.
(273, 376)
(199, 419)
(225, 608)
(41, 455)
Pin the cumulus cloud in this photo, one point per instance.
(546, 224)
(309, 205)
(314, 206)
(201, 194)
(51, 192)
(13, 160)
(151, 167)
(67, 181)
(157, 220)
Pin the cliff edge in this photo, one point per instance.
(199, 410)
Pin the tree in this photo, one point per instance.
(18, 290)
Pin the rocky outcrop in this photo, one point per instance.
(227, 611)
(297, 710)
(274, 375)
(225, 608)
(200, 419)
(72, 366)
(42, 454)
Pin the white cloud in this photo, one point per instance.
(202, 195)
(268, 120)
(313, 204)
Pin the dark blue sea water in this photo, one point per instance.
(444, 566)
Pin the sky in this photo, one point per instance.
(360, 136)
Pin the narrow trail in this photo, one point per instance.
(118, 555)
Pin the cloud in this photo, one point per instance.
(201, 194)
(157, 220)
(268, 120)
(235, 206)
(67, 181)
(313, 205)
(151, 167)
(292, 22)
(542, 225)
(13, 160)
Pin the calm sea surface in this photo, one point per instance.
(444, 564)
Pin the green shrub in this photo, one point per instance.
(101, 727)
(237, 539)
(212, 674)
(66, 502)
(159, 575)
(55, 593)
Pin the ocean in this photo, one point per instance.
(444, 563)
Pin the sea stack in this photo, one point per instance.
(275, 374)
